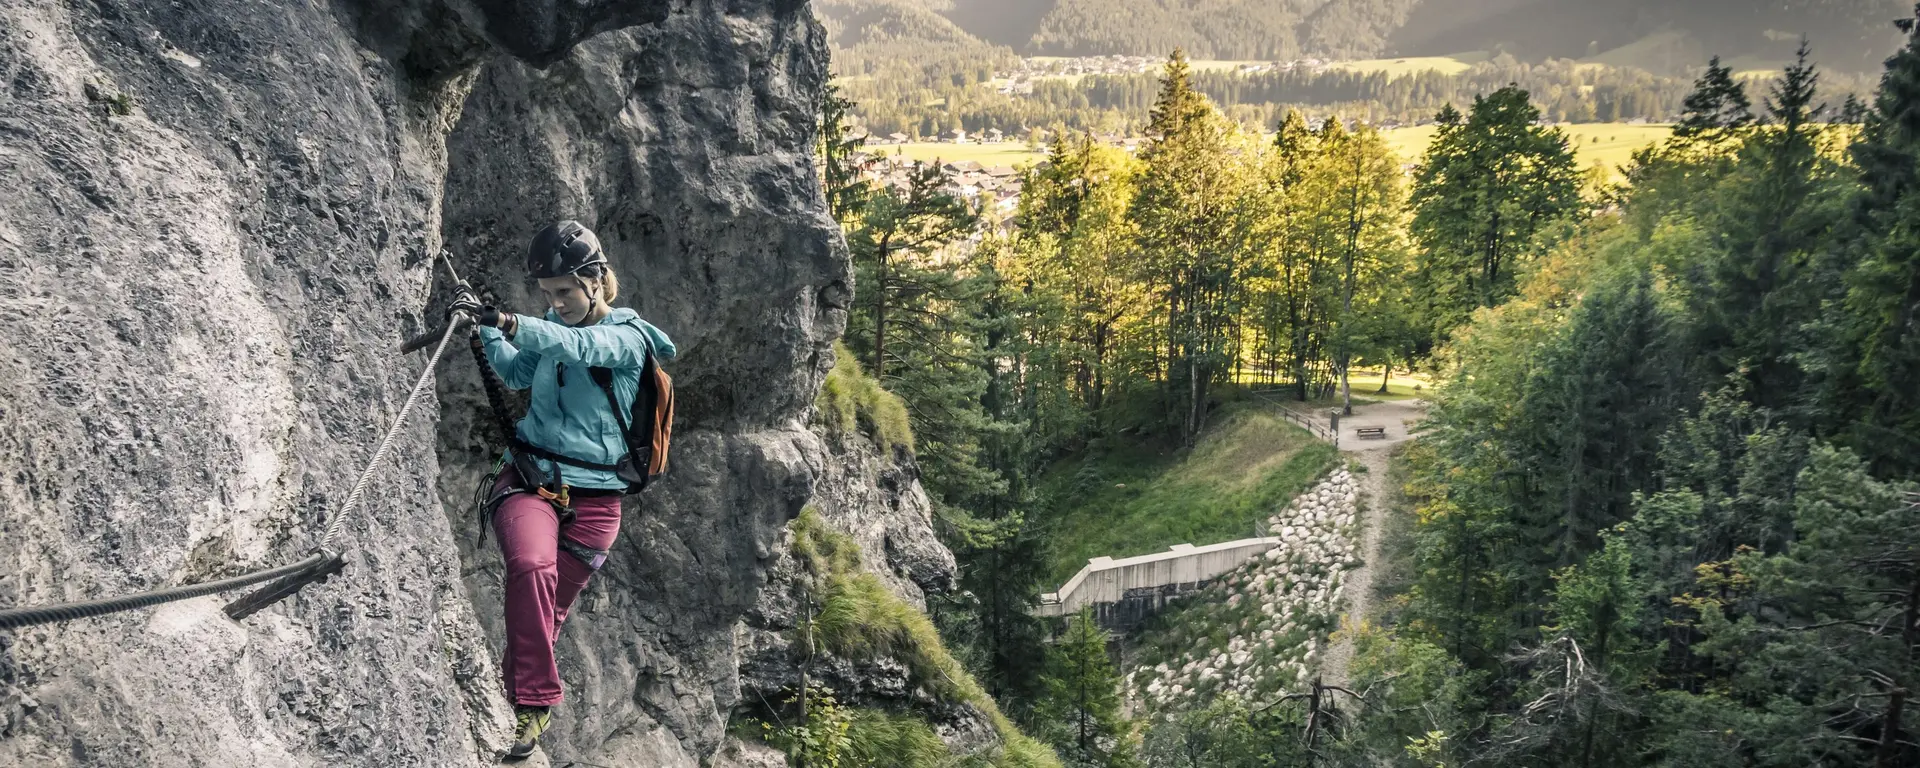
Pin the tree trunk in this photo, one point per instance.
(879, 366)
(1086, 703)
(1346, 392)
(1313, 719)
(1386, 373)
(800, 760)
(1888, 754)
(1346, 304)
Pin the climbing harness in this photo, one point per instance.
(593, 558)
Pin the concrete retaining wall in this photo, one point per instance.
(1127, 590)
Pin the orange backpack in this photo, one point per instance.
(648, 429)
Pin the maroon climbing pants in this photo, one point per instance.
(543, 580)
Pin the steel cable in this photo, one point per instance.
(13, 618)
(366, 475)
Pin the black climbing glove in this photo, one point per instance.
(487, 316)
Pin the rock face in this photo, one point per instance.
(219, 220)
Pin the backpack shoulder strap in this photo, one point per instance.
(604, 378)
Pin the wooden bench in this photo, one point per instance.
(1371, 433)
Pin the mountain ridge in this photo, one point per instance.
(1853, 35)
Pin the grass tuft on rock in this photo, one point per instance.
(860, 618)
(850, 400)
(882, 738)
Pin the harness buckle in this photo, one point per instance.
(562, 498)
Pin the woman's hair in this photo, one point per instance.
(609, 282)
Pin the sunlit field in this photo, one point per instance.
(1611, 144)
(1012, 153)
(1447, 65)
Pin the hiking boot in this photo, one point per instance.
(528, 724)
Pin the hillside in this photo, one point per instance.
(1137, 498)
(852, 23)
(1852, 35)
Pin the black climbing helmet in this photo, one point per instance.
(563, 249)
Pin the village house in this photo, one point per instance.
(1007, 203)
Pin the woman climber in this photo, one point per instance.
(555, 529)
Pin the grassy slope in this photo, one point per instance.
(1140, 499)
(1670, 51)
(861, 619)
(851, 400)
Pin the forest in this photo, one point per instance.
(1663, 511)
(922, 67)
(922, 87)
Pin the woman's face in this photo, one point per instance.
(569, 296)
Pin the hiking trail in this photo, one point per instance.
(1359, 583)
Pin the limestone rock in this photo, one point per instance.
(260, 189)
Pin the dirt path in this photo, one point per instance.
(1358, 583)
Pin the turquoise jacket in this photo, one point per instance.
(568, 413)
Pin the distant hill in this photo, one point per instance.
(1851, 35)
(1003, 22)
(852, 23)
(1659, 35)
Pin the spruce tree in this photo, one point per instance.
(1717, 106)
(845, 192)
(1883, 298)
(1769, 230)
(1082, 708)
(893, 248)
(1184, 205)
(1487, 186)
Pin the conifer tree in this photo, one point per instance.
(1768, 229)
(1287, 267)
(1883, 296)
(1488, 184)
(892, 249)
(1718, 105)
(1083, 700)
(1076, 244)
(1183, 209)
(845, 192)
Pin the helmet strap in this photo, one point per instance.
(593, 296)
